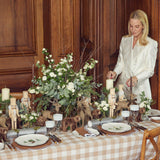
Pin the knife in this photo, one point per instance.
(8, 145)
(56, 138)
(52, 138)
(13, 147)
(138, 126)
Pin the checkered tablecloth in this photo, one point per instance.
(107, 147)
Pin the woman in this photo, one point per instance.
(137, 57)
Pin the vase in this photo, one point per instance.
(144, 116)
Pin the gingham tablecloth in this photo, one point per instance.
(107, 147)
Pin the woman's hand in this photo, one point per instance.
(111, 75)
(134, 82)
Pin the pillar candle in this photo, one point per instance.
(5, 94)
(109, 84)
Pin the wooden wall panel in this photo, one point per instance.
(65, 28)
(21, 80)
(21, 30)
(17, 27)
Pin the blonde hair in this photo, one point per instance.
(142, 17)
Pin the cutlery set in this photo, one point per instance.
(137, 126)
(10, 146)
(54, 138)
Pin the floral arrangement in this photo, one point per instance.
(61, 83)
(29, 119)
(145, 102)
(102, 102)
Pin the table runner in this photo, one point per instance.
(107, 147)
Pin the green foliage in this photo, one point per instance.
(61, 82)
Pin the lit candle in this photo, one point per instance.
(109, 84)
(5, 94)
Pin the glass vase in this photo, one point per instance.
(144, 116)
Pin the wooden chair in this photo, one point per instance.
(151, 134)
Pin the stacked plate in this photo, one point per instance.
(31, 140)
(116, 127)
(154, 115)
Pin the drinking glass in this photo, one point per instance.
(125, 115)
(50, 126)
(58, 121)
(134, 111)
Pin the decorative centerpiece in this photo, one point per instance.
(145, 106)
(59, 86)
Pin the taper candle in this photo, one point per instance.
(109, 84)
(5, 94)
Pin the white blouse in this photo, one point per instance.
(138, 61)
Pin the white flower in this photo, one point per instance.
(105, 108)
(46, 71)
(82, 77)
(0, 111)
(98, 107)
(70, 58)
(60, 73)
(37, 87)
(22, 116)
(36, 92)
(63, 86)
(52, 60)
(70, 86)
(79, 94)
(46, 57)
(64, 60)
(52, 74)
(34, 114)
(44, 49)
(96, 103)
(68, 66)
(50, 56)
(103, 103)
(148, 106)
(32, 91)
(142, 104)
(31, 117)
(44, 78)
(38, 62)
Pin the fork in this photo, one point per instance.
(96, 127)
(8, 145)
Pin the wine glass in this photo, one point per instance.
(125, 115)
(134, 111)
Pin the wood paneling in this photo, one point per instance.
(65, 29)
(17, 28)
(21, 30)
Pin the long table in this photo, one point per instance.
(106, 147)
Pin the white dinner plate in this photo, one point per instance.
(156, 118)
(153, 112)
(116, 127)
(31, 140)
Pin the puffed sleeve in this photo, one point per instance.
(149, 61)
(120, 63)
